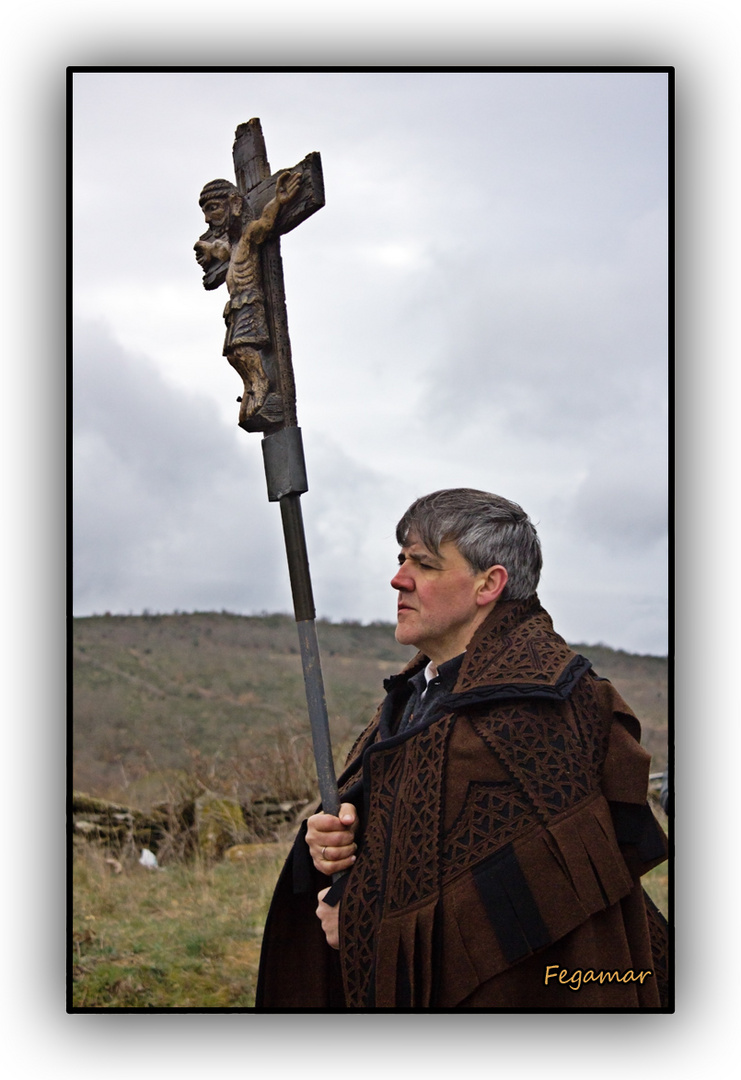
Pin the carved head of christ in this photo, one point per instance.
(222, 204)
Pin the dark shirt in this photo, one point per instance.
(426, 695)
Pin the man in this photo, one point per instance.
(494, 823)
(226, 241)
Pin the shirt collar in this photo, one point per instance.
(444, 676)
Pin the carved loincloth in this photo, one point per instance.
(246, 321)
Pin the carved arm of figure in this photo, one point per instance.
(208, 250)
(286, 189)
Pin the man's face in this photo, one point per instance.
(437, 605)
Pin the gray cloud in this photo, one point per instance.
(169, 510)
(481, 302)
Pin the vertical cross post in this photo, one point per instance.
(241, 247)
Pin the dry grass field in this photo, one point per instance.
(187, 936)
(220, 696)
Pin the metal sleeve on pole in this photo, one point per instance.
(285, 468)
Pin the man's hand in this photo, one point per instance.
(331, 840)
(329, 917)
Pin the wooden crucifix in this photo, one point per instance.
(242, 248)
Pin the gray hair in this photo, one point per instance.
(487, 529)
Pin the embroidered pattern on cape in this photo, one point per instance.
(519, 646)
(360, 904)
(553, 755)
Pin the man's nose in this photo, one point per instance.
(402, 580)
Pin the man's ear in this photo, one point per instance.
(494, 580)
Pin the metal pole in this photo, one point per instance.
(303, 603)
(285, 472)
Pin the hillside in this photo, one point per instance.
(160, 701)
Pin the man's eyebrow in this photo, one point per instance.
(421, 556)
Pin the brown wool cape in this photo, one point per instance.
(502, 841)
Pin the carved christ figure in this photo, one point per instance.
(227, 241)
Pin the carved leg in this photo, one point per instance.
(248, 363)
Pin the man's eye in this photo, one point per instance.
(416, 562)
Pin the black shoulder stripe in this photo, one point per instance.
(559, 691)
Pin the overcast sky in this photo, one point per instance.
(482, 302)
(143, 157)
